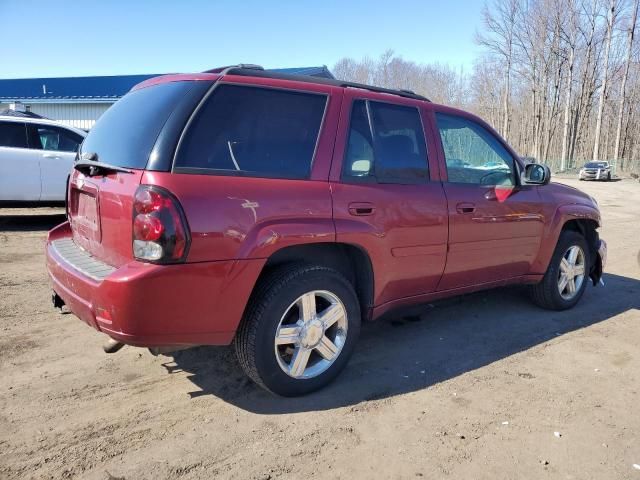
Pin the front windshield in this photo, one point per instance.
(596, 165)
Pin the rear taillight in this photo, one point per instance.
(160, 231)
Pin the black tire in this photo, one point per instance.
(546, 294)
(609, 177)
(254, 341)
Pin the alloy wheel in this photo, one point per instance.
(571, 273)
(311, 334)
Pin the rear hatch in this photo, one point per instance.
(120, 146)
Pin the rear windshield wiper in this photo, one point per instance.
(89, 165)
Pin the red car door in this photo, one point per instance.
(386, 193)
(495, 223)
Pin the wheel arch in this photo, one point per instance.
(579, 218)
(350, 260)
(588, 228)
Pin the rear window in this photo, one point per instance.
(13, 134)
(125, 134)
(253, 131)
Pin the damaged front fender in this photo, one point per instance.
(598, 265)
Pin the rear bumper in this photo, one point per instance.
(156, 305)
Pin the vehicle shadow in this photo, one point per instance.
(405, 354)
(32, 222)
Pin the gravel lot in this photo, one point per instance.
(476, 387)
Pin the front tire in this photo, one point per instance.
(299, 329)
(567, 275)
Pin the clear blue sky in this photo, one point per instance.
(114, 37)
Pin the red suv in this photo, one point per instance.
(278, 212)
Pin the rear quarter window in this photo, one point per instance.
(253, 131)
(125, 134)
(13, 135)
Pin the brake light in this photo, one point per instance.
(160, 231)
(147, 227)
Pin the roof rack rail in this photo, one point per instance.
(229, 68)
(391, 91)
(258, 71)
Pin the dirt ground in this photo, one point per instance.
(476, 388)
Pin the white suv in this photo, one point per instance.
(36, 156)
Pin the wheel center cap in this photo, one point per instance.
(312, 334)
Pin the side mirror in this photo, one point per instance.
(536, 174)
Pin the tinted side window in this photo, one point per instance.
(401, 151)
(390, 149)
(255, 132)
(57, 139)
(359, 156)
(473, 155)
(13, 134)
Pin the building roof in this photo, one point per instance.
(104, 89)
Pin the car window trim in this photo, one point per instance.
(515, 171)
(244, 173)
(346, 178)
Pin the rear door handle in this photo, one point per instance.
(50, 155)
(465, 208)
(360, 209)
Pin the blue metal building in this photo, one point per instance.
(79, 101)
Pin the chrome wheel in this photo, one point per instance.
(311, 334)
(571, 273)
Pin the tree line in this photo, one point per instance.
(559, 79)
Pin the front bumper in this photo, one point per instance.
(155, 305)
(594, 175)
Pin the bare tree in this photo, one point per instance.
(559, 78)
(611, 19)
(500, 22)
(570, 37)
(625, 76)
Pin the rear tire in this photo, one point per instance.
(550, 292)
(299, 329)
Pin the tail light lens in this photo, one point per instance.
(160, 230)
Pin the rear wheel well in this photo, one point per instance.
(351, 261)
